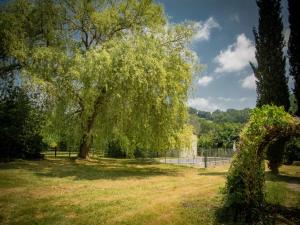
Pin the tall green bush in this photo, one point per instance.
(244, 193)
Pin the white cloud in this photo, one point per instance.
(203, 29)
(210, 104)
(202, 104)
(249, 82)
(204, 81)
(244, 99)
(237, 56)
(224, 99)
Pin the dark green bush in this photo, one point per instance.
(275, 153)
(20, 124)
(292, 151)
(114, 150)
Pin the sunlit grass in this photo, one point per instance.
(108, 191)
(284, 189)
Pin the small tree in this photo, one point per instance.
(205, 141)
(20, 123)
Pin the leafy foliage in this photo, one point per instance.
(231, 116)
(292, 151)
(294, 48)
(20, 124)
(219, 129)
(245, 189)
(294, 106)
(274, 154)
(228, 116)
(108, 70)
(221, 135)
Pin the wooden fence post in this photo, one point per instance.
(205, 159)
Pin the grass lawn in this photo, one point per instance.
(106, 191)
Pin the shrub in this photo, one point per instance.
(244, 193)
(292, 151)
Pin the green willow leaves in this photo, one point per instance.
(109, 70)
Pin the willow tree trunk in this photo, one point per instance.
(85, 147)
(86, 139)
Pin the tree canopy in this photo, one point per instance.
(106, 70)
(218, 129)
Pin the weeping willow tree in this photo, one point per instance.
(106, 70)
(245, 186)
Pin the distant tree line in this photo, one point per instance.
(218, 129)
(228, 116)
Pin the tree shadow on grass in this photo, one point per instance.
(212, 173)
(283, 214)
(270, 214)
(92, 170)
(281, 177)
(139, 161)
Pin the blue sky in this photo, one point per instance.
(224, 44)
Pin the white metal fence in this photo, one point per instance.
(198, 161)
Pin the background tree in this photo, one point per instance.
(20, 123)
(194, 121)
(205, 143)
(294, 48)
(222, 128)
(218, 116)
(271, 82)
(24, 25)
(108, 70)
(292, 151)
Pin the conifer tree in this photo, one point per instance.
(294, 47)
(272, 87)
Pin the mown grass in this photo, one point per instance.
(109, 191)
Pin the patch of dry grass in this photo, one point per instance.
(108, 191)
